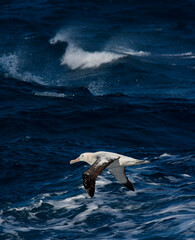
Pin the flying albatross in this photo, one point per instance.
(115, 162)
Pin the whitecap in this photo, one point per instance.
(61, 36)
(159, 220)
(91, 207)
(11, 64)
(97, 88)
(185, 175)
(27, 208)
(176, 209)
(76, 57)
(101, 181)
(165, 155)
(68, 203)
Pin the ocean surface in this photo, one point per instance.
(87, 76)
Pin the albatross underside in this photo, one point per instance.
(99, 161)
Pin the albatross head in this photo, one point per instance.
(84, 157)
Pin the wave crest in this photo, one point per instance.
(11, 63)
(75, 57)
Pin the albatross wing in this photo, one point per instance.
(119, 174)
(89, 176)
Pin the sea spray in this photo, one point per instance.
(76, 57)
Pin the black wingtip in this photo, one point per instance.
(89, 184)
(91, 192)
(129, 186)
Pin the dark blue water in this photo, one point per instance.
(81, 76)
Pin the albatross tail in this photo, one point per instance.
(138, 162)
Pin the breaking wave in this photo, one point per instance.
(11, 65)
(75, 57)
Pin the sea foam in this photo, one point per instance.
(75, 57)
(11, 65)
(50, 94)
(186, 55)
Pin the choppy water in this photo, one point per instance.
(96, 75)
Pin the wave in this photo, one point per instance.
(61, 36)
(55, 208)
(10, 64)
(75, 57)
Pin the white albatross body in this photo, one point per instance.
(115, 162)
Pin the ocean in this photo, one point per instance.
(87, 76)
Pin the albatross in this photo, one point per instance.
(115, 162)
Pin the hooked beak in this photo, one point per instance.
(75, 160)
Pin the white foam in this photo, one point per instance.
(178, 54)
(61, 36)
(11, 62)
(29, 207)
(185, 175)
(132, 52)
(176, 209)
(153, 183)
(159, 220)
(172, 178)
(165, 155)
(91, 207)
(102, 181)
(87, 208)
(75, 57)
(97, 88)
(50, 94)
(68, 203)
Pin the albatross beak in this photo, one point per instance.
(75, 160)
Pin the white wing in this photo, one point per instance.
(119, 174)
